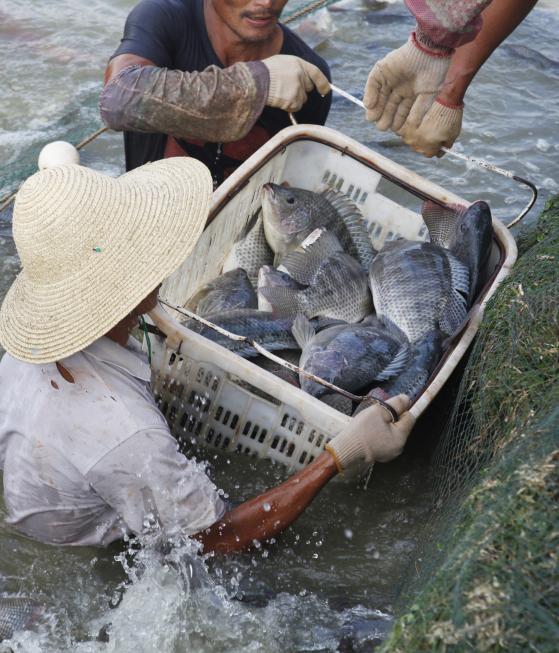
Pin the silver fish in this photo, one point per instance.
(350, 356)
(419, 287)
(291, 214)
(270, 277)
(251, 250)
(467, 232)
(271, 332)
(17, 613)
(227, 292)
(336, 284)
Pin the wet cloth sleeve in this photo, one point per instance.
(146, 478)
(216, 104)
(447, 23)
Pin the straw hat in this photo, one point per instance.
(92, 247)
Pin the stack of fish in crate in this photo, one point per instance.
(303, 280)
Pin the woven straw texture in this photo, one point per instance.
(92, 247)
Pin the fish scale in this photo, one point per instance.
(351, 356)
(251, 251)
(419, 287)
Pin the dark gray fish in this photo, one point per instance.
(471, 244)
(290, 355)
(336, 284)
(350, 356)
(17, 613)
(291, 214)
(419, 287)
(227, 292)
(271, 332)
(425, 353)
(270, 277)
(251, 250)
(338, 402)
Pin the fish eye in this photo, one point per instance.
(290, 200)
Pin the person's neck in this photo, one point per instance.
(121, 331)
(230, 48)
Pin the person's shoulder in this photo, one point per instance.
(293, 44)
(171, 9)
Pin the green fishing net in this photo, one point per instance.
(485, 577)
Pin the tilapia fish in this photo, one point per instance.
(336, 284)
(251, 250)
(467, 232)
(270, 277)
(349, 356)
(419, 287)
(291, 214)
(227, 292)
(271, 332)
(425, 353)
(290, 355)
(17, 613)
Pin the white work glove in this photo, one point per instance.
(291, 78)
(405, 83)
(440, 126)
(371, 436)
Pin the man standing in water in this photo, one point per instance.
(86, 453)
(213, 79)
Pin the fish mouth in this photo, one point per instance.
(268, 189)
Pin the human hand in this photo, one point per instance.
(371, 436)
(291, 78)
(440, 127)
(405, 83)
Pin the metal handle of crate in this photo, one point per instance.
(481, 163)
(261, 350)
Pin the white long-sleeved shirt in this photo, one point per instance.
(86, 462)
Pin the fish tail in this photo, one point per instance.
(302, 330)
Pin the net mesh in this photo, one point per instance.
(485, 577)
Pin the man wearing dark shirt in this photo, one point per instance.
(214, 79)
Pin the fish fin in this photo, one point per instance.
(300, 266)
(283, 301)
(392, 328)
(321, 243)
(459, 273)
(396, 365)
(302, 330)
(440, 221)
(303, 262)
(346, 208)
(454, 312)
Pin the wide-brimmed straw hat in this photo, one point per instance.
(92, 247)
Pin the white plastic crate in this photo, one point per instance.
(225, 402)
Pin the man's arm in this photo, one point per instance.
(500, 19)
(441, 124)
(216, 104)
(268, 514)
(370, 437)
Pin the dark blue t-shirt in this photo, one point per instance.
(172, 34)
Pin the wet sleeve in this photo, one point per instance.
(146, 478)
(216, 104)
(447, 23)
(150, 32)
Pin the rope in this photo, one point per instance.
(307, 9)
(79, 146)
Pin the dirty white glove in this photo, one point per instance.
(405, 83)
(440, 126)
(371, 436)
(291, 78)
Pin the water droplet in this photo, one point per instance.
(348, 533)
(267, 507)
(315, 556)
